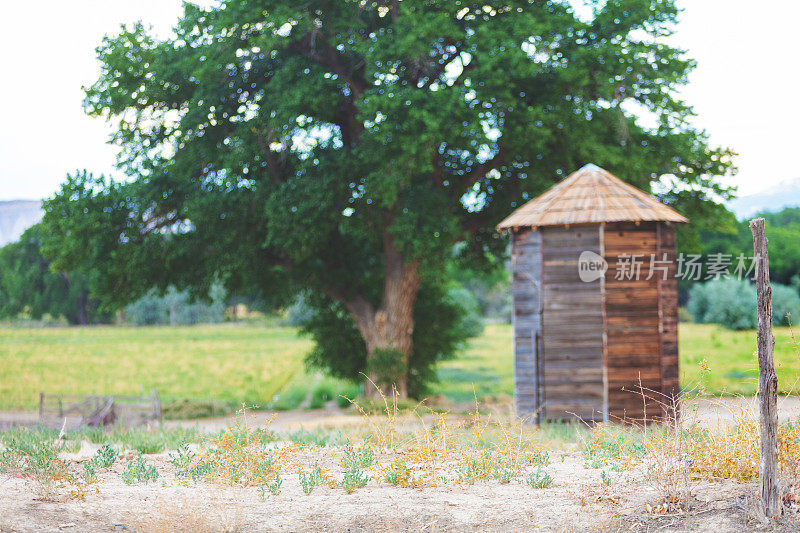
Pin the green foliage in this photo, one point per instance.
(321, 394)
(34, 454)
(734, 238)
(105, 456)
(732, 303)
(139, 471)
(29, 289)
(274, 487)
(354, 478)
(183, 459)
(470, 323)
(539, 479)
(290, 398)
(439, 329)
(316, 437)
(177, 308)
(89, 472)
(310, 480)
(353, 458)
(321, 146)
(347, 395)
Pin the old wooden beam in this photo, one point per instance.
(767, 380)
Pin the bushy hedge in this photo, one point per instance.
(177, 308)
(732, 303)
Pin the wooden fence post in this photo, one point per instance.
(767, 380)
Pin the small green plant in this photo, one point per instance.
(264, 467)
(362, 458)
(539, 479)
(201, 469)
(354, 478)
(105, 456)
(138, 471)
(540, 457)
(606, 478)
(505, 470)
(89, 473)
(182, 459)
(34, 454)
(274, 487)
(310, 480)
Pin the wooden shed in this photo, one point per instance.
(587, 337)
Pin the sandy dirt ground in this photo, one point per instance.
(577, 500)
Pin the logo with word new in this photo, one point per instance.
(591, 266)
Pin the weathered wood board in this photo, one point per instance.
(572, 326)
(641, 306)
(526, 287)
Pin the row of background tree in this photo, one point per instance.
(30, 290)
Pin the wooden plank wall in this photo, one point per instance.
(526, 283)
(572, 325)
(633, 316)
(670, 376)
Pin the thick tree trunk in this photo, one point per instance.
(388, 330)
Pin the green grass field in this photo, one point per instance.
(252, 362)
(225, 362)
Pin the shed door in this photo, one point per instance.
(572, 326)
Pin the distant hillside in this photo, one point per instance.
(16, 216)
(785, 194)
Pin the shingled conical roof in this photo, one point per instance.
(590, 195)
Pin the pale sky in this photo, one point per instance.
(744, 89)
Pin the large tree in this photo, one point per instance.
(345, 146)
(29, 287)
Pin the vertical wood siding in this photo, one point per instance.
(669, 317)
(527, 276)
(636, 336)
(572, 326)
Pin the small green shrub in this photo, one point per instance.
(732, 303)
(505, 471)
(310, 480)
(354, 478)
(539, 479)
(183, 460)
(89, 473)
(322, 393)
(105, 456)
(274, 487)
(138, 471)
(290, 398)
(34, 453)
(353, 458)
